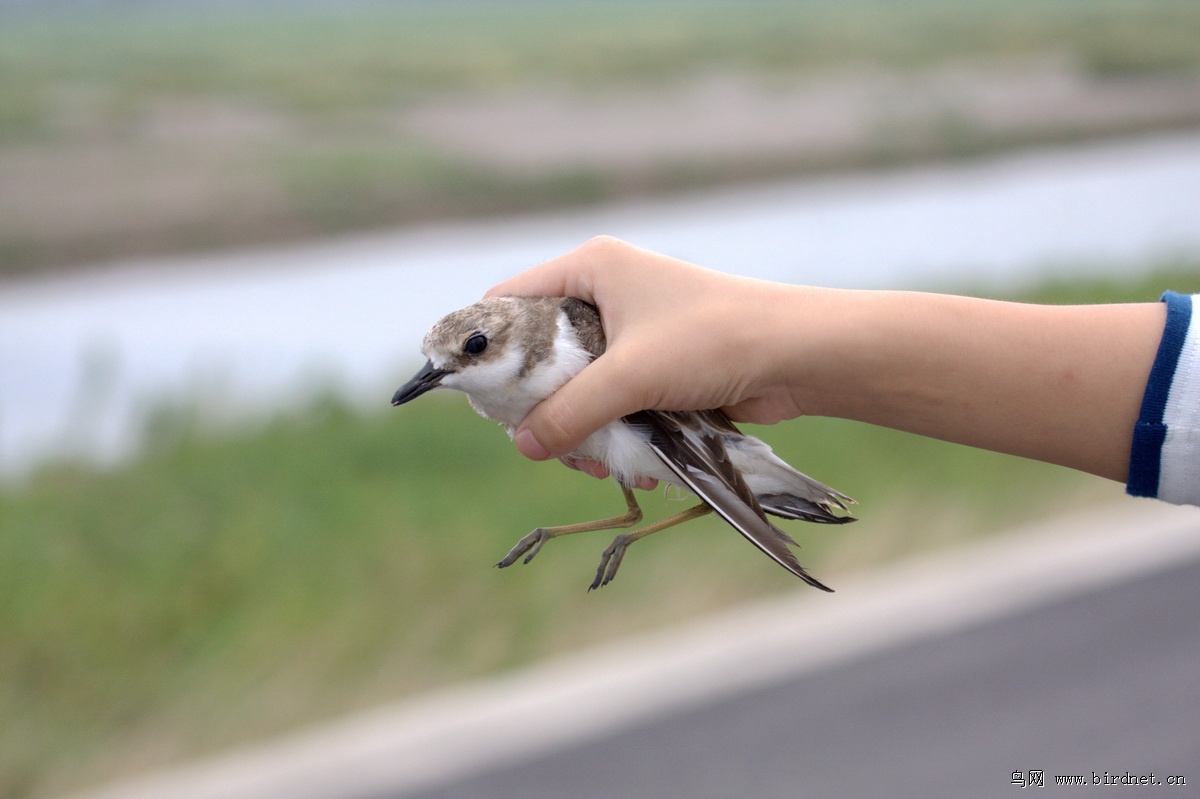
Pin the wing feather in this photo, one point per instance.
(691, 446)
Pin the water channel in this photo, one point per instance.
(83, 356)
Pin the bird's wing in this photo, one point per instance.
(691, 446)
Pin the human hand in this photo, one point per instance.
(680, 337)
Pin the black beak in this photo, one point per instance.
(426, 379)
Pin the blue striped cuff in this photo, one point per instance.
(1145, 460)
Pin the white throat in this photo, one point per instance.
(499, 391)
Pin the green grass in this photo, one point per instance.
(344, 188)
(1180, 275)
(226, 585)
(315, 61)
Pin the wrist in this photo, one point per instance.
(806, 339)
(869, 356)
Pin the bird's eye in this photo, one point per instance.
(475, 344)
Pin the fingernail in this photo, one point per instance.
(529, 446)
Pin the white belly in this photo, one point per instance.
(626, 454)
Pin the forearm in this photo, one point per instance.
(1061, 384)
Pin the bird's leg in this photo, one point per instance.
(531, 544)
(610, 561)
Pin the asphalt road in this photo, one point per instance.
(1104, 682)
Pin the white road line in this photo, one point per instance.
(567, 701)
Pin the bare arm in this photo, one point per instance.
(1061, 384)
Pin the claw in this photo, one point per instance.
(610, 561)
(531, 544)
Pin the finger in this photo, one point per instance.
(546, 280)
(557, 278)
(568, 275)
(646, 483)
(588, 401)
(600, 471)
(586, 465)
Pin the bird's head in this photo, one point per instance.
(471, 350)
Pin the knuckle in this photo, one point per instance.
(606, 250)
(602, 242)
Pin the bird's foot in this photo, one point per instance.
(529, 546)
(610, 561)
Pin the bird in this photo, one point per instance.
(510, 353)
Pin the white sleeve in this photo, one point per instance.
(1165, 460)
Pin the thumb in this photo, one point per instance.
(587, 402)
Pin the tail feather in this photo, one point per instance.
(790, 506)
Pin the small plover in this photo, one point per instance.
(509, 353)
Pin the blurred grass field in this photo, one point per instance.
(229, 584)
(137, 130)
(330, 59)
